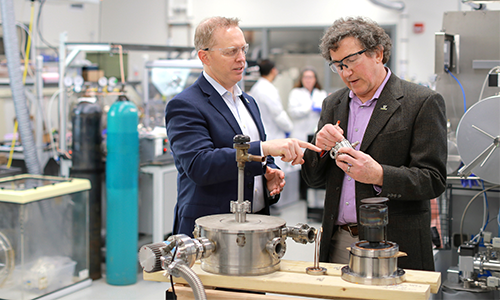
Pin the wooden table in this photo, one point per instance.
(293, 280)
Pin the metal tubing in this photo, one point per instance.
(39, 107)
(493, 265)
(180, 269)
(301, 233)
(64, 163)
(11, 45)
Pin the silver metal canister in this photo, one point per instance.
(253, 247)
(373, 266)
(374, 261)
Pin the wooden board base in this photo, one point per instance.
(293, 280)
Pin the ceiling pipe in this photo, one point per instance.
(396, 5)
(475, 6)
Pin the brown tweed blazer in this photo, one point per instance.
(407, 136)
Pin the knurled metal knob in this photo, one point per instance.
(149, 257)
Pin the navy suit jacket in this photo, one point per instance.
(201, 128)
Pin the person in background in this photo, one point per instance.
(201, 123)
(276, 121)
(401, 127)
(304, 104)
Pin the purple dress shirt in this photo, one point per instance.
(359, 116)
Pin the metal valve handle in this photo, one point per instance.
(241, 144)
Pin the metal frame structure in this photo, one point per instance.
(69, 51)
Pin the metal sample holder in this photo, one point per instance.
(374, 261)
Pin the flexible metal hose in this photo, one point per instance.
(179, 268)
(11, 45)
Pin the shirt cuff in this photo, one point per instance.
(264, 163)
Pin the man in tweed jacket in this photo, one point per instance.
(402, 153)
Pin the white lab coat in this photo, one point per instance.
(300, 109)
(276, 120)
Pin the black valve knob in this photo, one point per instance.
(241, 139)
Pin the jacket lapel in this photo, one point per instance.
(218, 103)
(343, 113)
(387, 104)
(254, 112)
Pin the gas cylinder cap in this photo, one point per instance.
(122, 98)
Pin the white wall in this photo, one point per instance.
(82, 24)
(419, 49)
(145, 22)
(151, 27)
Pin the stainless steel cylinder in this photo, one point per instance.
(253, 247)
(374, 266)
(374, 262)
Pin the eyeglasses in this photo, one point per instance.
(350, 61)
(230, 51)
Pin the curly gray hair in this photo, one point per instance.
(367, 32)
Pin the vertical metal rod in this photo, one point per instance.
(240, 216)
(241, 176)
(64, 163)
(145, 90)
(316, 247)
(39, 108)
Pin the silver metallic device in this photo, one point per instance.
(154, 146)
(374, 261)
(478, 138)
(476, 271)
(474, 134)
(334, 152)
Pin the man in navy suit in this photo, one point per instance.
(201, 123)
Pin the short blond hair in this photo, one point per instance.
(203, 36)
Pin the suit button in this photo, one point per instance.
(337, 188)
(249, 185)
(248, 174)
